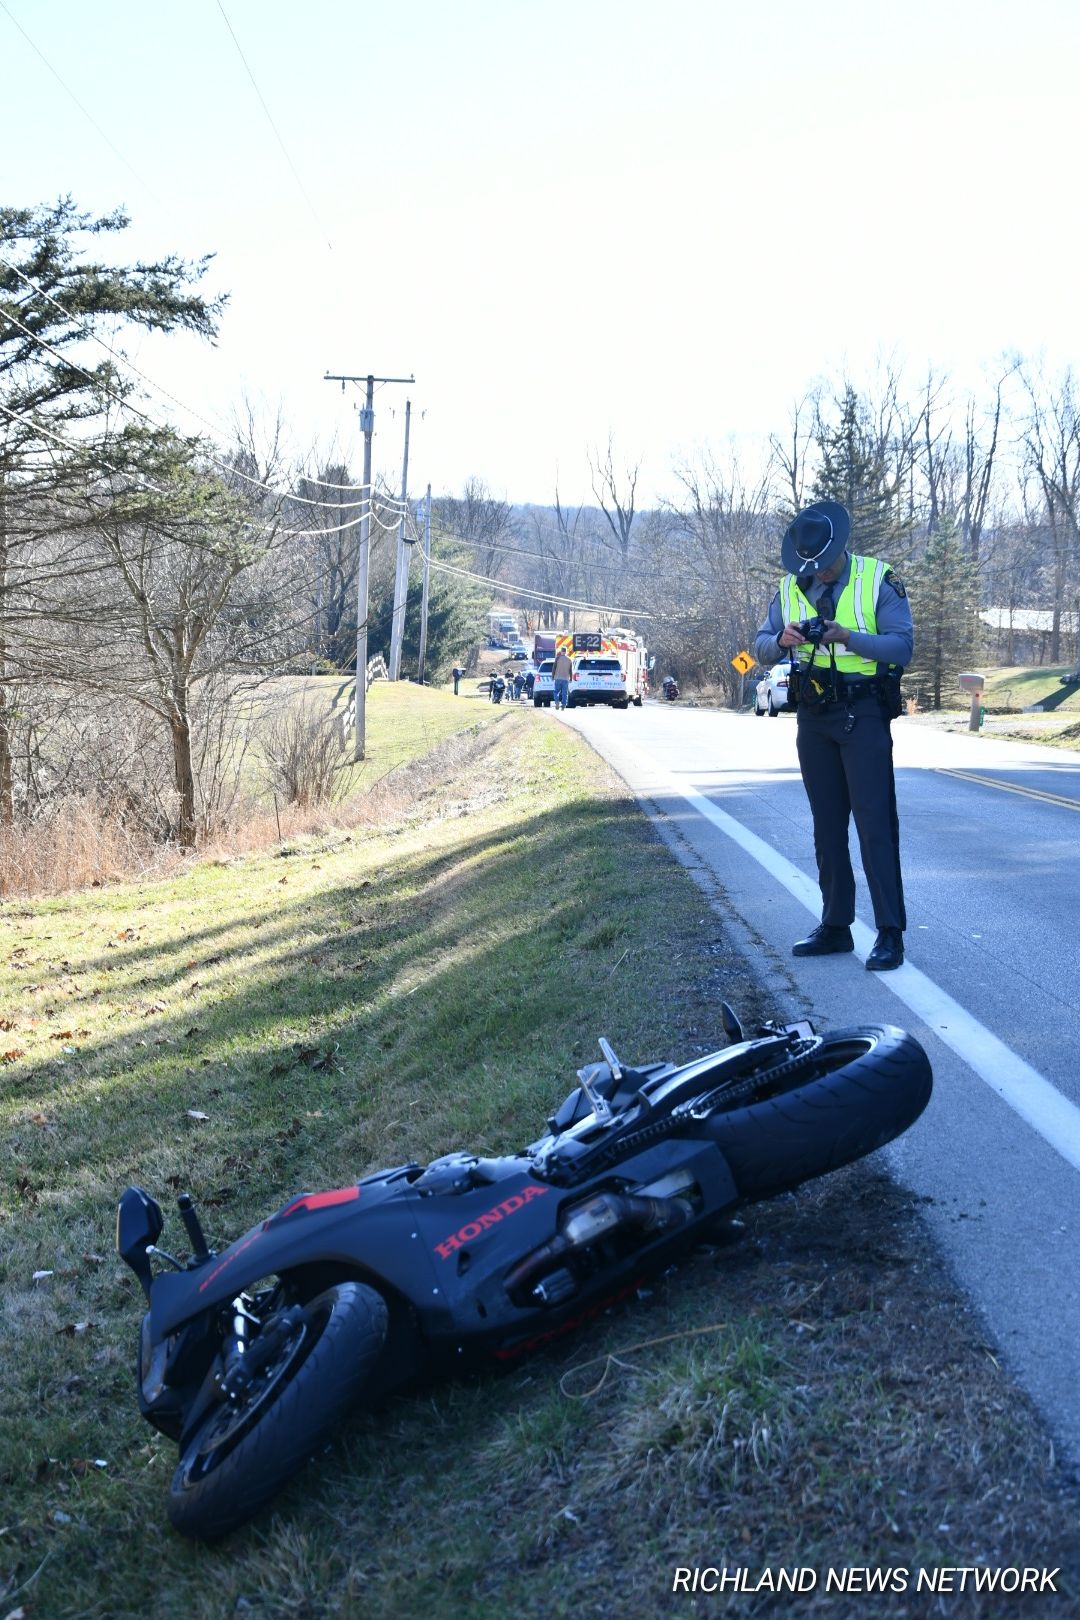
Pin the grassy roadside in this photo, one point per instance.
(1014, 687)
(77, 841)
(404, 721)
(810, 1392)
(1009, 698)
(1010, 714)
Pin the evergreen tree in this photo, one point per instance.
(943, 587)
(457, 610)
(857, 470)
(53, 297)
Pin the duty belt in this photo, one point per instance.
(832, 686)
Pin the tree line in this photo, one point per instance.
(975, 502)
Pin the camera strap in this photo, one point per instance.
(816, 691)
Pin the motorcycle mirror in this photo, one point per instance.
(139, 1223)
(732, 1028)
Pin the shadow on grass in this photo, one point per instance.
(446, 989)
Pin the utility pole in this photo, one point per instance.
(367, 427)
(401, 572)
(424, 593)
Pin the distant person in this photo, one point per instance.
(560, 680)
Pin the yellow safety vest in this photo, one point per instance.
(856, 610)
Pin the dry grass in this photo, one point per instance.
(77, 842)
(83, 842)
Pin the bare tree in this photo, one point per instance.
(1051, 443)
(790, 454)
(979, 465)
(482, 521)
(167, 617)
(324, 558)
(52, 299)
(713, 569)
(615, 492)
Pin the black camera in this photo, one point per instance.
(812, 630)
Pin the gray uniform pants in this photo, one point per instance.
(849, 771)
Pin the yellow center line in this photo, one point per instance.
(1010, 787)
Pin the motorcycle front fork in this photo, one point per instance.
(249, 1345)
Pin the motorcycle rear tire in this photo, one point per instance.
(215, 1489)
(859, 1089)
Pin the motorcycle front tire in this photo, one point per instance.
(860, 1088)
(219, 1485)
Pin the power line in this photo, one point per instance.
(273, 126)
(65, 444)
(233, 472)
(543, 596)
(114, 354)
(126, 405)
(156, 489)
(522, 551)
(86, 114)
(130, 365)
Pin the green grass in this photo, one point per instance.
(1013, 688)
(402, 721)
(426, 983)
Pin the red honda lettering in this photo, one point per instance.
(490, 1217)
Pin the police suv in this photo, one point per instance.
(598, 678)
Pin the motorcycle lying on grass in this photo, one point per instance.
(251, 1356)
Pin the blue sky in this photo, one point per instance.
(663, 222)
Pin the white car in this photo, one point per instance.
(544, 685)
(598, 680)
(771, 694)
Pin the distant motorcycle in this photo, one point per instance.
(251, 1355)
(670, 688)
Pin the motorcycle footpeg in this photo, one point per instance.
(556, 1287)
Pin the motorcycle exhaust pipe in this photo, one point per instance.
(610, 1212)
(603, 1216)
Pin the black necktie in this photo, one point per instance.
(825, 605)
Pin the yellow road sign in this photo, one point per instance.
(743, 662)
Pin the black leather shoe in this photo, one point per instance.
(824, 941)
(888, 951)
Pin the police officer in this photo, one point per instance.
(848, 680)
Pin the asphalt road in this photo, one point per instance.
(990, 845)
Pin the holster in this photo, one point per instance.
(888, 685)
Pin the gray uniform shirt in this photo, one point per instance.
(893, 643)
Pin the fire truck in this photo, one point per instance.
(584, 648)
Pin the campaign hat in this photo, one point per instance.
(816, 538)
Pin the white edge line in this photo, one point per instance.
(1024, 1089)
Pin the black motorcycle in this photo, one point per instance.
(251, 1355)
(669, 686)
